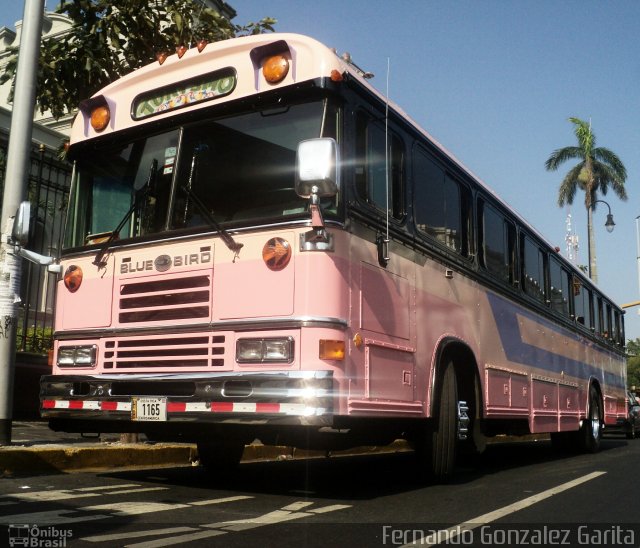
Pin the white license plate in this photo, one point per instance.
(149, 409)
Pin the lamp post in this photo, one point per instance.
(609, 225)
(638, 251)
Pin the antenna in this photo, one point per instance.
(386, 148)
(383, 241)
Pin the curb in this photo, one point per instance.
(43, 459)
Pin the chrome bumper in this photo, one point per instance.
(287, 397)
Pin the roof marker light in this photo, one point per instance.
(100, 117)
(275, 68)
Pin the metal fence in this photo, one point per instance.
(49, 180)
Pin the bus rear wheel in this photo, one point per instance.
(591, 429)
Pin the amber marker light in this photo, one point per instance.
(73, 278)
(336, 76)
(276, 254)
(100, 117)
(275, 68)
(331, 350)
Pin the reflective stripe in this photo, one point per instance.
(192, 407)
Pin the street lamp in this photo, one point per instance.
(609, 225)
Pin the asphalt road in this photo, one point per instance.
(518, 493)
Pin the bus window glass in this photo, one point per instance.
(607, 321)
(371, 171)
(582, 303)
(112, 180)
(439, 204)
(597, 315)
(498, 244)
(533, 270)
(238, 169)
(558, 287)
(615, 327)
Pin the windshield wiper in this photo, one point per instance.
(227, 238)
(139, 196)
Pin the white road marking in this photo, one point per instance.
(134, 508)
(107, 487)
(286, 513)
(63, 494)
(138, 534)
(137, 490)
(297, 505)
(182, 539)
(52, 517)
(489, 517)
(219, 501)
(270, 518)
(117, 509)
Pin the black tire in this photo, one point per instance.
(590, 434)
(220, 458)
(565, 442)
(436, 451)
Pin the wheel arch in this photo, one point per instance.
(452, 349)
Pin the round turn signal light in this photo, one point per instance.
(276, 253)
(73, 278)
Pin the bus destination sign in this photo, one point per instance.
(181, 94)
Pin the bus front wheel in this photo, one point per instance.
(437, 446)
(218, 457)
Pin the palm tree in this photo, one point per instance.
(597, 170)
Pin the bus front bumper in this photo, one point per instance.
(289, 397)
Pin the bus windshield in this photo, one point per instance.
(238, 170)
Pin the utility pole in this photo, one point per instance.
(15, 187)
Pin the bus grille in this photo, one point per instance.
(188, 351)
(184, 298)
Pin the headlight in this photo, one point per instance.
(77, 356)
(264, 350)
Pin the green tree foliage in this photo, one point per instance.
(633, 363)
(110, 38)
(597, 170)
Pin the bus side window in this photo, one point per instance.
(582, 303)
(371, 167)
(558, 287)
(497, 243)
(533, 259)
(441, 204)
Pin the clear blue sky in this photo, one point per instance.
(495, 82)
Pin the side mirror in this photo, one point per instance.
(20, 239)
(317, 166)
(21, 225)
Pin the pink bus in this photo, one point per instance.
(260, 246)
